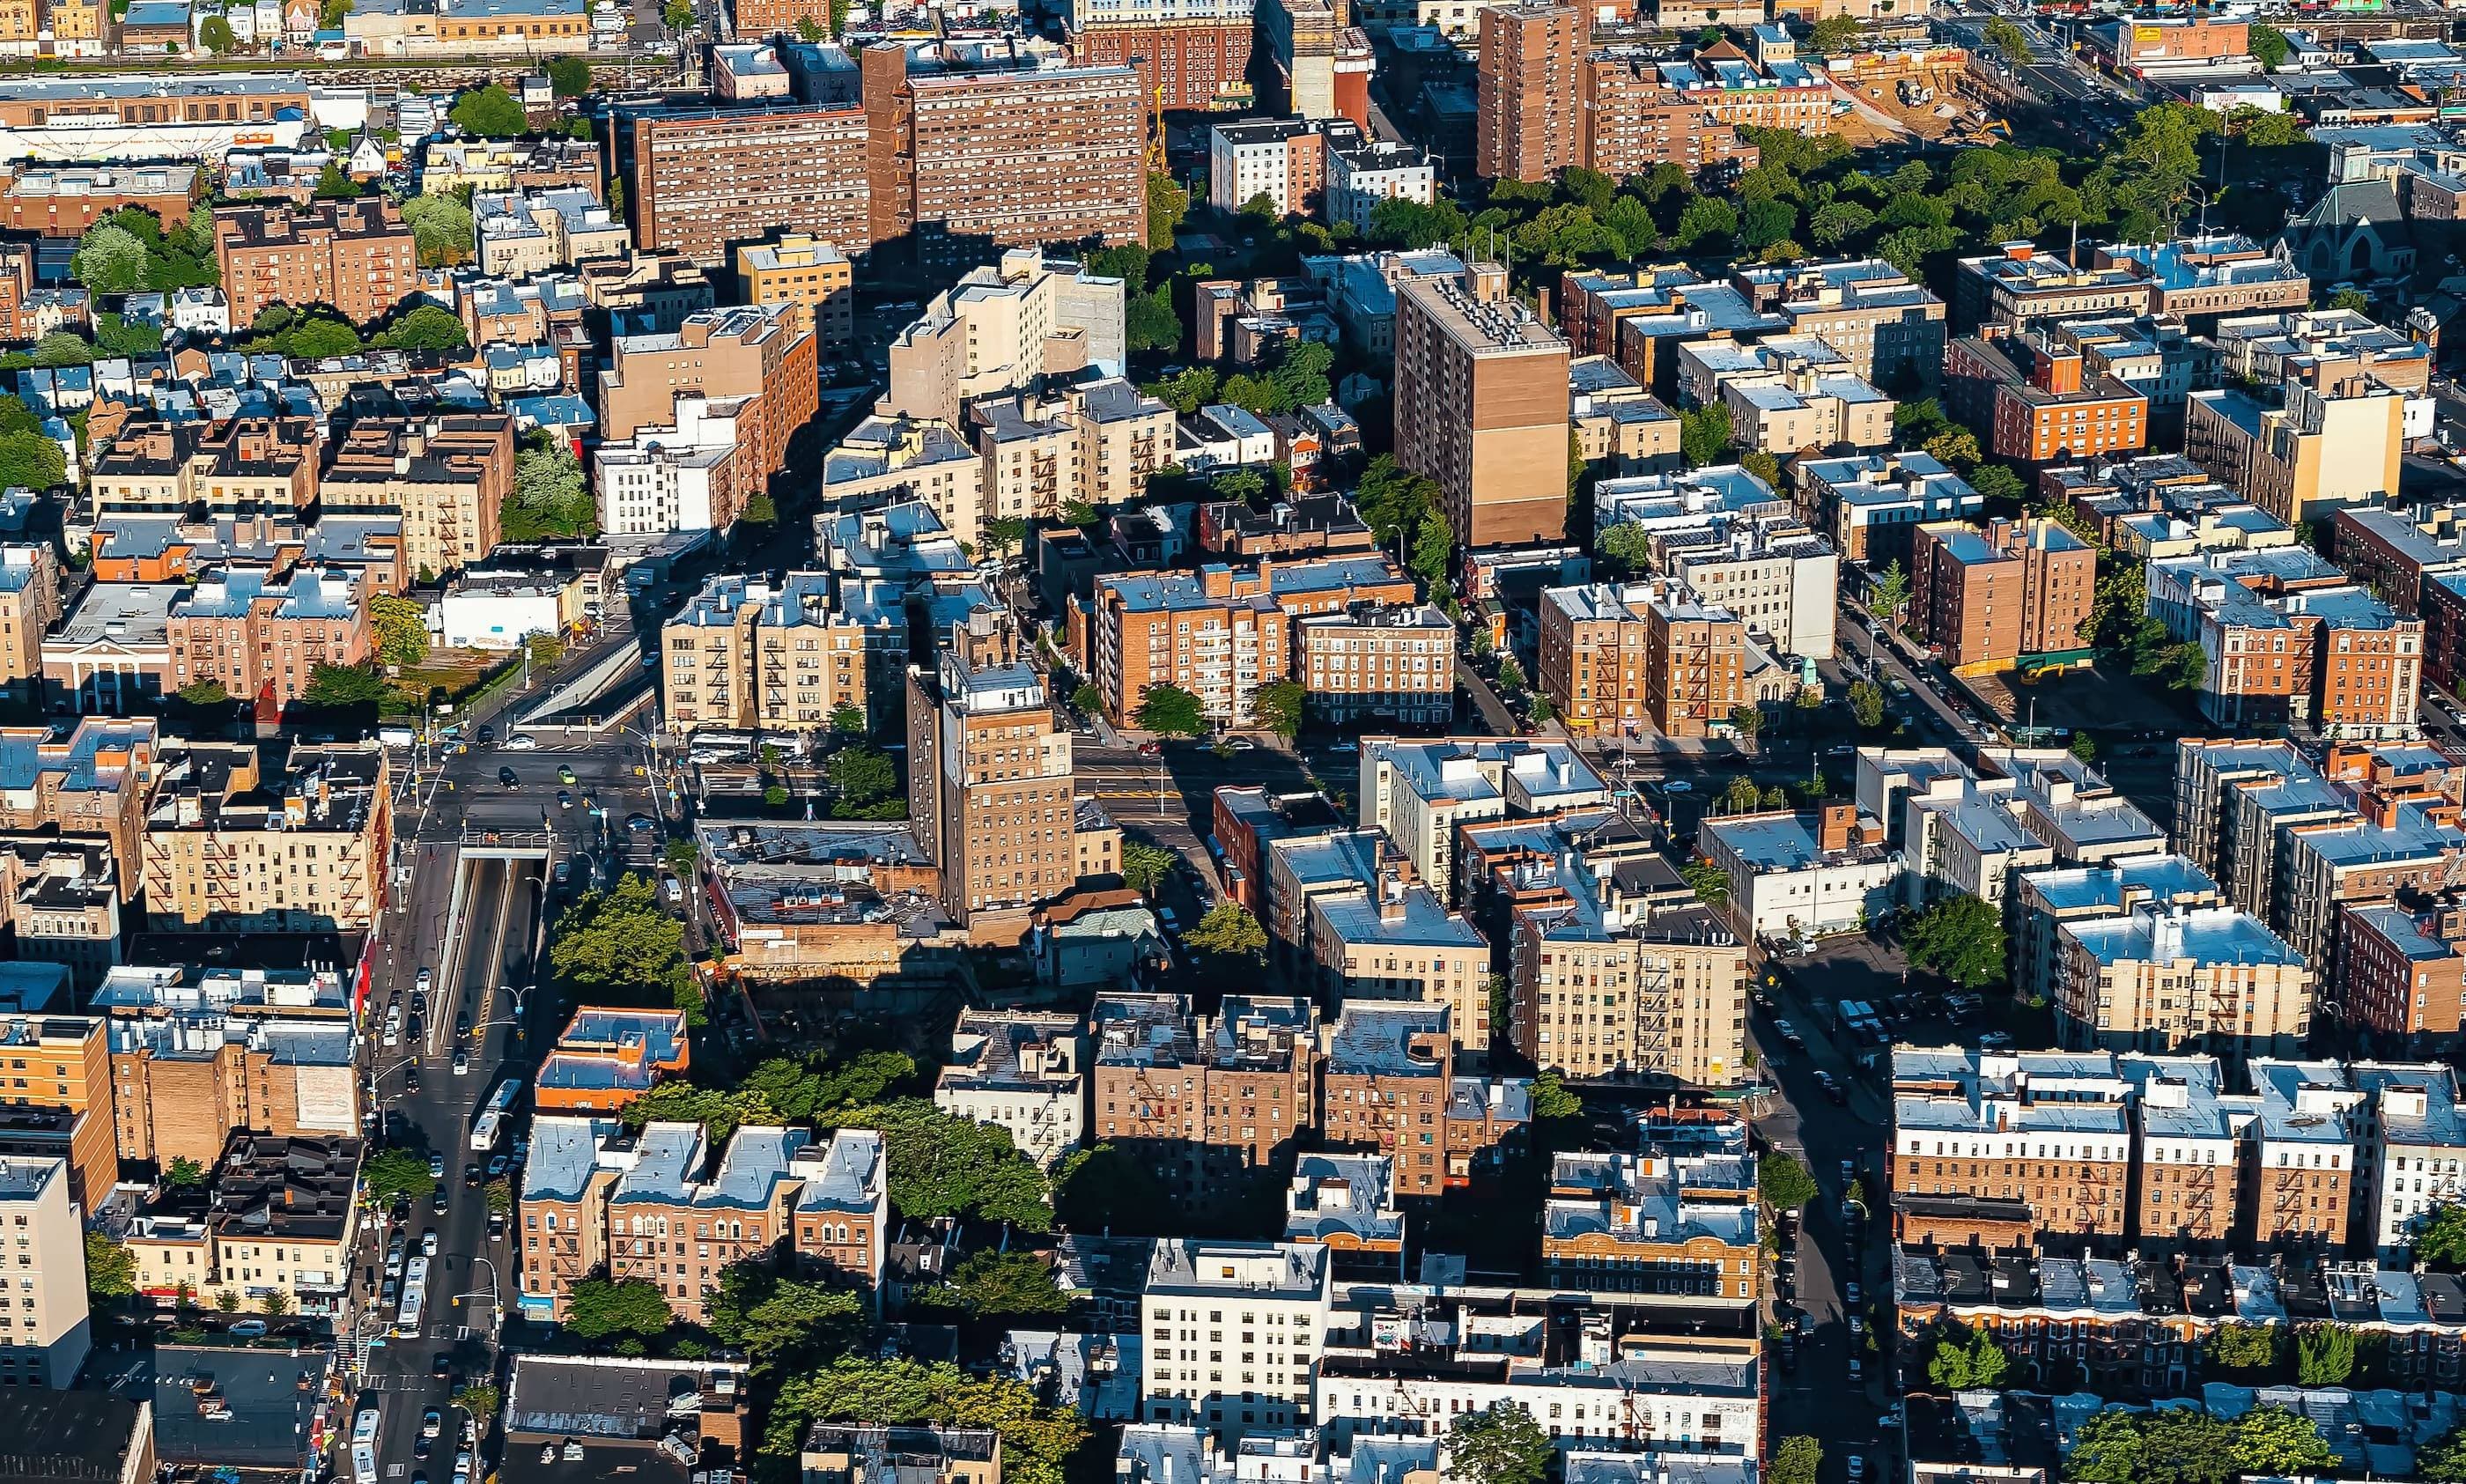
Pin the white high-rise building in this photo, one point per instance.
(1232, 1333)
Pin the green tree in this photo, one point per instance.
(1627, 543)
(227, 1301)
(1500, 1445)
(994, 1285)
(1704, 433)
(1796, 1461)
(2010, 39)
(1278, 708)
(597, 1308)
(2248, 1352)
(2443, 1461)
(1005, 534)
(489, 112)
(393, 1175)
(2182, 1445)
(1997, 483)
(1866, 703)
(2267, 46)
(1552, 1101)
(401, 629)
(1782, 1181)
(2106, 1450)
(622, 943)
(1145, 866)
(1104, 1189)
(777, 1321)
(550, 500)
(720, 1114)
(63, 347)
(1229, 930)
(941, 1166)
(1747, 721)
(111, 1269)
(1961, 937)
(2324, 1354)
(341, 688)
(1839, 221)
(1167, 205)
(480, 1401)
(1706, 222)
(1171, 712)
(1834, 36)
(760, 509)
(32, 461)
(109, 259)
(1968, 1359)
(1763, 466)
(568, 77)
(2442, 1240)
(1710, 882)
(440, 228)
(275, 1302)
(1088, 700)
(862, 775)
(1890, 592)
(215, 35)
(1036, 1439)
(428, 327)
(117, 335)
(847, 720)
(1151, 323)
(184, 1173)
(2276, 1442)
(2353, 298)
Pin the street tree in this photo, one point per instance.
(1796, 1461)
(599, 1308)
(1710, 882)
(1145, 866)
(1229, 930)
(1782, 1181)
(111, 1269)
(1278, 708)
(1890, 592)
(1866, 703)
(393, 1175)
(622, 943)
(1171, 712)
(989, 1284)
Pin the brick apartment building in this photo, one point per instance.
(1209, 1105)
(746, 352)
(228, 849)
(356, 256)
(780, 658)
(1529, 90)
(1388, 1086)
(812, 275)
(990, 780)
(1632, 120)
(1986, 598)
(2401, 971)
(64, 1106)
(242, 467)
(1481, 406)
(986, 148)
(261, 638)
(1189, 56)
(30, 605)
(63, 202)
(447, 476)
(2031, 396)
(2021, 1130)
(1614, 660)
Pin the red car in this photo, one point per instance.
(1151, 750)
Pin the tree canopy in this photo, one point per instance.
(550, 500)
(1968, 1359)
(1171, 712)
(1229, 930)
(988, 1284)
(1783, 1182)
(1145, 866)
(1961, 937)
(1499, 1445)
(401, 628)
(597, 1308)
(111, 1269)
(396, 1174)
(620, 943)
(1036, 1439)
(1796, 1461)
(489, 112)
(1279, 708)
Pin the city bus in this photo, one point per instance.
(490, 1126)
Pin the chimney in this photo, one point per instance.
(1834, 825)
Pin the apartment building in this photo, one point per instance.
(1002, 327)
(1422, 791)
(2042, 1133)
(2044, 899)
(2413, 1152)
(1191, 54)
(357, 256)
(64, 1109)
(1787, 394)
(1285, 159)
(1615, 660)
(2169, 977)
(2319, 347)
(285, 1220)
(1986, 600)
(2286, 638)
(263, 640)
(63, 903)
(2196, 277)
(2395, 847)
(988, 778)
(238, 468)
(1096, 444)
(1613, 983)
(48, 1344)
(1871, 507)
(1390, 940)
(1673, 1225)
(1377, 662)
(2394, 551)
(193, 1062)
(1221, 633)
(230, 850)
(446, 476)
(2319, 448)
(1025, 1073)
(2033, 396)
(753, 351)
(813, 276)
(1200, 1296)
(30, 605)
(697, 473)
(2306, 1149)
(842, 1455)
(1361, 175)
(1388, 1086)
(1796, 876)
(1777, 578)
(2014, 285)
(1632, 119)
(750, 654)
(1887, 329)
(1529, 87)
(2400, 972)
(698, 180)
(1212, 1107)
(595, 1199)
(1481, 401)
(2189, 1134)
(93, 782)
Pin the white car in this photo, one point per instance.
(462, 1063)
(522, 742)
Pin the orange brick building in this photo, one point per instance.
(356, 256)
(2032, 397)
(748, 351)
(261, 640)
(1985, 598)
